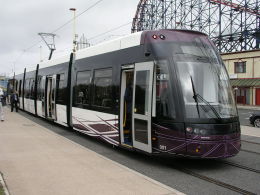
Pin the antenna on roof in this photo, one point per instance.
(48, 38)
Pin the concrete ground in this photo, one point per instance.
(250, 131)
(35, 160)
(248, 107)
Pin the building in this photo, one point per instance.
(3, 82)
(244, 73)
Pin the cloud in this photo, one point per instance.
(21, 21)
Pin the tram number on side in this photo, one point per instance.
(162, 147)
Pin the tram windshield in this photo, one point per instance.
(165, 109)
(202, 76)
(204, 81)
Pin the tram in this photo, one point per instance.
(159, 92)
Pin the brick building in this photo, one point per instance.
(244, 72)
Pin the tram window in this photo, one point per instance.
(16, 85)
(61, 89)
(27, 88)
(42, 88)
(20, 88)
(141, 92)
(32, 89)
(39, 84)
(164, 97)
(82, 88)
(103, 88)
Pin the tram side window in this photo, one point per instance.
(27, 89)
(82, 88)
(164, 97)
(32, 89)
(103, 88)
(39, 84)
(42, 88)
(20, 88)
(16, 85)
(61, 89)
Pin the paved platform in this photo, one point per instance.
(34, 160)
(250, 131)
(248, 107)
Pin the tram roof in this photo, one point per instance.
(110, 46)
(101, 48)
(124, 42)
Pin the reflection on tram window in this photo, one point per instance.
(141, 131)
(32, 85)
(141, 92)
(61, 89)
(103, 88)
(82, 88)
(27, 88)
(20, 88)
(204, 83)
(39, 83)
(164, 96)
(16, 85)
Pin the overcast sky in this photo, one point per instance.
(21, 21)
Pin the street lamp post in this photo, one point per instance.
(74, 29)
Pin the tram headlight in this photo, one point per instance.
(197, 130)
(162, 37)
(202, 131)
(189, 129)
(155, 36)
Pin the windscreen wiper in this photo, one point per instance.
(211, 107)
(197, 96)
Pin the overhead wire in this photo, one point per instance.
(66, 23)
(93, 5)
(111, 30)
(57, 29)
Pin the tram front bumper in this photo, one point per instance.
(227, 147)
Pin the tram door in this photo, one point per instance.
(126, 102)
(142, 105)
(51, 97)
(43, 85)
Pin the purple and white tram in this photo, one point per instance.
(162, 91)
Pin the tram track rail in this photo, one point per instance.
(249, 151)
(240, 166)
(250, 142)
(214, 181)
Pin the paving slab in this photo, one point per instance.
(34, 160)
(250, 131)
(248, 107)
